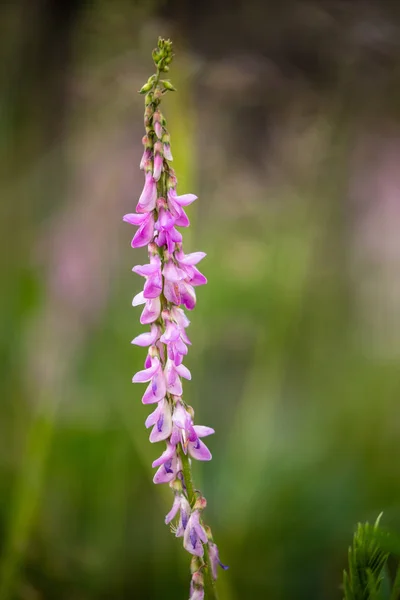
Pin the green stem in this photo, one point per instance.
(209, 583)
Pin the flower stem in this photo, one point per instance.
(209, 583)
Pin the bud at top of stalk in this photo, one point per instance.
(162, 55)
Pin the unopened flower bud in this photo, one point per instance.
(147, 86)
(148, 111)
(200, 503)
(167, 84)
(153, 352)
(198, 578)
(158, 148)
(208, 532)
(176, 485)
(195, 564)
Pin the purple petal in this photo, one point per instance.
(175, 507)
(148, 197)
(197, 278)
(163, 427)
(172, 273)
(183, 517)
(185, 199)
(134, 219)
(153, 286)
(180, 417)
(156, 390)
(183, 371)
(144, 234)
(165, 220)
(203, 431)
(174, 384)
(171, 334)
(198, 527)
(154, 416)
(167, 152)
(191, 540)
(146, 270)
(190, 259)
(182, 220)
(147, 374)
(179, 316)
(166, 456)
(151, 311)
(171, 292)
(148, 338)
(199, 450)
(188, 295)
(197, 593)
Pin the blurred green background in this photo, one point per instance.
(287, 125)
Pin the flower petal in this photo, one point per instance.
(147, 374)
(191, 259)
(185, 199)
(199, 450)
(151, 311)
(183, 372)
(163, 427)
(134, 219)
(138, 299)
(166, 456)
(148, 338)
(203, 431)
(175, 507)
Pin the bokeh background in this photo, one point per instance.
(286, 123)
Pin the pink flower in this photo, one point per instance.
(161, 419)
(154, 374)
(152, 273)
(148, 197)
(195, 535)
